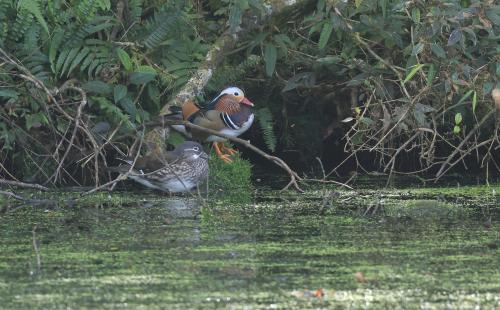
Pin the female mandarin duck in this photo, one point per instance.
(229, 113)
(174, 171)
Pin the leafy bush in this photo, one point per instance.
(124, 56)
(80, 78)
(392, 77)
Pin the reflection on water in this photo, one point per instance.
(177, 254)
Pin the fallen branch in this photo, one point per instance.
(12, 195)
(24, 185)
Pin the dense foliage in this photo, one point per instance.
(385, 77)
(393, 80)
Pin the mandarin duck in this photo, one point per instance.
(174, 171)
(229, 113)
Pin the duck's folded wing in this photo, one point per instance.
(210, 119)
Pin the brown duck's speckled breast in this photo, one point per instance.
(186, 170)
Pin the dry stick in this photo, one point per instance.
(465, 153)
(393, 159)
(121, 176)
(12, 195)
(294, 177)
(412, 103)
(324, 177)
(392, 162)
(24, 185)
(75, 129)
(459, 147)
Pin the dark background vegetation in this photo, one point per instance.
(388, 85)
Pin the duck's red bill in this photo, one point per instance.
(247, 102)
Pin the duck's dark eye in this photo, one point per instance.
(236, 94)
(196, 149)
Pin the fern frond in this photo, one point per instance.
(166, 21)
(87, 9)
(23, 21)
(135, 11)
(31, 38)
(91, 27)
(37, 63)
(5, 6)
(266, 122)
(111, 111)
(89, 57)
(231, 74)
(33, 6)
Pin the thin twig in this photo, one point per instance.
(459, 147)
(77, 119)
(121, 176)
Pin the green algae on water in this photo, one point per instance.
(160, 252)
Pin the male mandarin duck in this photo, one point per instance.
(174, 171)
(229, 113)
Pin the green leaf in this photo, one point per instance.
(431, 74)
(438, 50)
(270, 56)
(175, 138)
(61, 59)
(9, 93)
(98, 87)
(487, 87)
(464, 97)
(54, 46)
(458, 118)
(119, 92)
(329, 60)
(474, 102)
(82, 54)
(417, 49)
(455, 37)
(413, 71)
(124, 58)
(493, 15)
(36, 120)
(415, 15)
(456, 130)
(71, 56)
(128, 105)
(325, 35)
(143, 75)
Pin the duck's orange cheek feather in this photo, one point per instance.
(188, 109)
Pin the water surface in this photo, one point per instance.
(409, 250)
